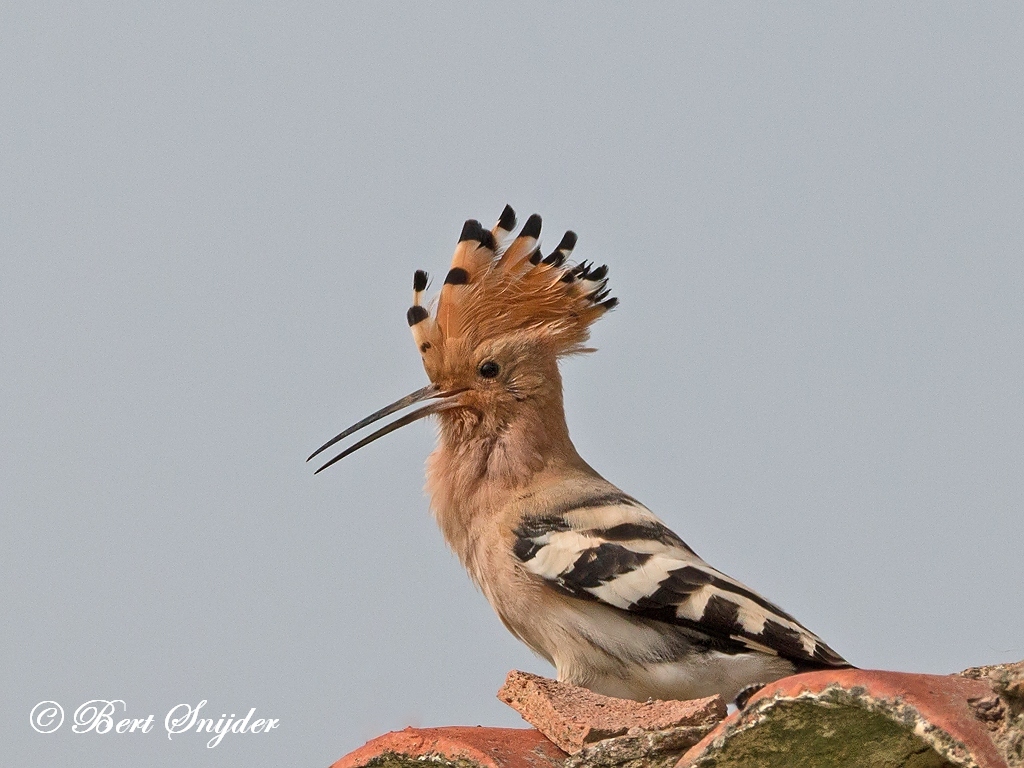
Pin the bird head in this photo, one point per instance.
(504, 316)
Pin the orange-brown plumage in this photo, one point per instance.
(492, 291)
(584, 574)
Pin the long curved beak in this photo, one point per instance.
(427, 393)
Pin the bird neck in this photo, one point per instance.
(478, 468)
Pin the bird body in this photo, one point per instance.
(582, 573)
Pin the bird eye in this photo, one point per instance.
(489, 369)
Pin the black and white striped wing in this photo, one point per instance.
(645, 569)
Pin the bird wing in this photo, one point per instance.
(613, 550)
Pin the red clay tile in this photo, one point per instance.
(573, 717)
(486, 747)
(934, 708)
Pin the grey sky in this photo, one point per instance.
(211, 214)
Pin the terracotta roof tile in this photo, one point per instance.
(852, 714)
(486, 747)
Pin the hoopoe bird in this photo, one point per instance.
(580, 571)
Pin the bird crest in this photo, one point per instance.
(499, 285)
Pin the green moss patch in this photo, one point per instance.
(801, 735)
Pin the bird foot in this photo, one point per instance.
(746, 693)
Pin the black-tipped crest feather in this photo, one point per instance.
(532, 227)
(456, 276)
(416, 314)
(507, 220)
(471, 230)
